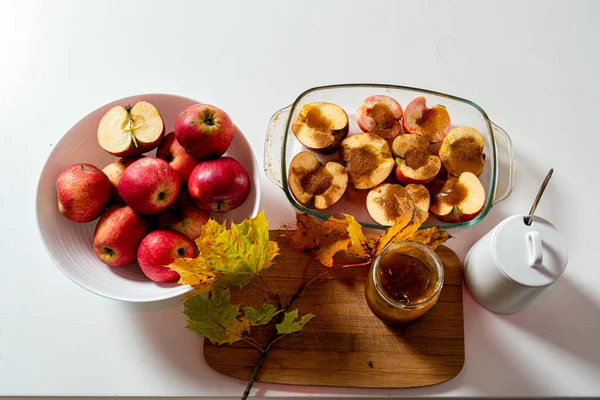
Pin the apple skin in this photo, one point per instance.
(205, 131)
(455, 216)
(172, 152)
(159, 249)
(186, 220)
(184, 199)
(400, 177)
(149, 185)
(114, 171)
(82, 192)
(219, 185)
(118, 235)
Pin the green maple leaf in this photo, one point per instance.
(261, 316)
(291, 323)
(216, 318)
(228, 257)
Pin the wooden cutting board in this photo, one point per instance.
(345, 344)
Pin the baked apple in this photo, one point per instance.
(368, 160)
(314, 184)
(414, 163)
(431, 123)
(459, 200)
(390, 204)
(462, 151)
(419, 195)
(321, 126)
(380, 115)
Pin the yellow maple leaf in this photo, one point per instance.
(228, 256)
(401, 231)
(360, 246)
(430, 237)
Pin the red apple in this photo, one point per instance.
(129, 131)
(432, 123)
(159, 249)
(149, 185)
(414, 164)
(205, 131)
(172, 152)
(83, 192)
(114, 171)
(118, 235)
(380, 115)
(219, 185)
(184, 199)
(186, 220)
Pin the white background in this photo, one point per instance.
(532, 65)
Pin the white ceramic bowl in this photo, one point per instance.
(70, 244)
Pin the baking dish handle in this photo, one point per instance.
(273, 158)
(506, 164)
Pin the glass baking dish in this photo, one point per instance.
(281, 146)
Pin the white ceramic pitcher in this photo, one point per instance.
(515, 263)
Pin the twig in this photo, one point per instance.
(246, 339)
(274, 336)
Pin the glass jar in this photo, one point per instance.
(404, 282)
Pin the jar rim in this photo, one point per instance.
(430, 254)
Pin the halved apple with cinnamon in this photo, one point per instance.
(414, 164)
(314, 184)
(368, 159)
(390, 204)
(380, 115)
(431, 123)
(459, 200)
(462, 151)
(419, 195)
(321, 126)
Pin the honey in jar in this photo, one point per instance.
(404, 282)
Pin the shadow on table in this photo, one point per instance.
(562, 318)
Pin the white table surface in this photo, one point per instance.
(533, 66)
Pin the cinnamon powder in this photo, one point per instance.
(395, 202)
(383, 117)
(317, 182)
(416, 157)
(466, 154)
(361, 161)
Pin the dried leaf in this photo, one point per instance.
(430, 237)
(292, 324)
(307, 235)
(323, 240)
(228, 256)
(399, 232)
(360, 246)
(335, 238)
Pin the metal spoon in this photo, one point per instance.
(529, 218)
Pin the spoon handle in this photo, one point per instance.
(539, 196)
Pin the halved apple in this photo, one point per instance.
(390, 204)
(462, 151)
(368, 160)
(460, 199)
(129, 131)
(321, 126)
(316, 184)
(419, 195)
(432, 123)
(380, 115)
(414, 163)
